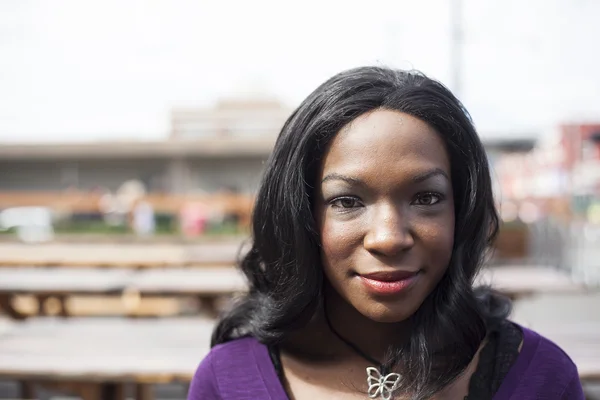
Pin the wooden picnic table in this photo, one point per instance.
(95, 358)
(519, 281)
(56, 284)
(56, 281)
(94, 255)
(207, 284)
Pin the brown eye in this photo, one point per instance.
(427, 199)
(345, 202)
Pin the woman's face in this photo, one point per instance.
(385, 212)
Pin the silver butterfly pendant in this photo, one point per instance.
(382, 386)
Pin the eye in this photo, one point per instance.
(345, 203)
(428, 199)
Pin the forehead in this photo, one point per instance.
(386, 141)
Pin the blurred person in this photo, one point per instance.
(144, 221)
(193, 218)
(373, 217)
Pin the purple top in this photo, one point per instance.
(242, 370)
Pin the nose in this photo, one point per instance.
(389, 233)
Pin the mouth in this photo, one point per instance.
(389, 282)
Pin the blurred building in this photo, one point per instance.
(562, 171)
(581, 144)
(208, 150)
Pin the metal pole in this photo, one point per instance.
(456, 56)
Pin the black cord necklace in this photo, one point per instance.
(381, 382)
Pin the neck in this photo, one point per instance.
(371, 337)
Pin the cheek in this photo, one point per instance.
(438, 240)
(338, 240)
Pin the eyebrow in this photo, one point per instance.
(422, 177)
(430, 174)
(339, 177)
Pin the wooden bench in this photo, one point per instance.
(208, 285)
(96, 358)
(52, 287)
(518, 282)
(135, 256)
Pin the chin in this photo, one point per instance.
(384, 313)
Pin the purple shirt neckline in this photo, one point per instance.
(517, 371)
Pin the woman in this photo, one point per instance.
(371, 222)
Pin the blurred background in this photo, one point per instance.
(133, 135)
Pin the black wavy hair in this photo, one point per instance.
(283, 266)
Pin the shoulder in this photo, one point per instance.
(221, 366)
(548, 356)
(544, 364)
(234, 349)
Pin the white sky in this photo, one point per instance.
(113, 69)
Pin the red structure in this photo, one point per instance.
(580, 143)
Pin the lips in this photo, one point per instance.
(389, 282)
(390, 276)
